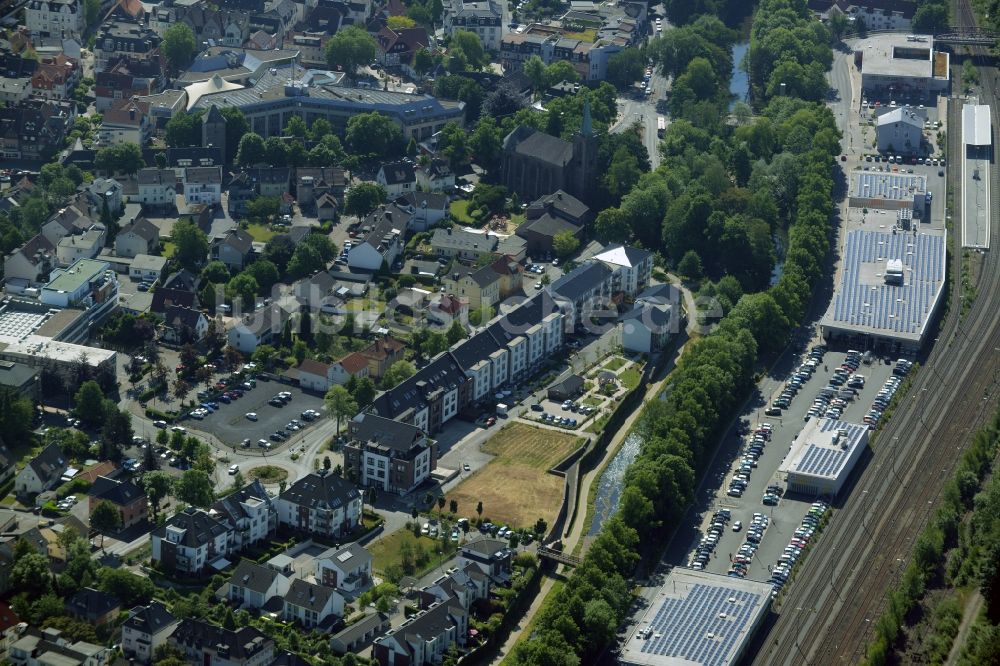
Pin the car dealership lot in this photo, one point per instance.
(230, 425)
(785, 517)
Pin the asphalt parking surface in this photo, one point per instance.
(230, 425)
(784, 518)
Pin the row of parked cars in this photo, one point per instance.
(882, 399)
(832, 400)
(744, 556)
(707, 545)
(800, 539)
(756, 442)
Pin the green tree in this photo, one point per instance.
(559, 71)
(363, 198)
(364, 391)
(91, 11)
(196, 488)
(485, 142)
(237, 126)
(423, 61)
(374, 134)
(30, 574)
(125, 585)
(105, 518)
(456, 332)
(157, 485)
(320, 129)
(452, 145)
(471, 47)
(350, 48)
(245, 288)
(340, 403)
(116, 434)
(124, 157)
(534, 69)
(626, 67)
(251, 150)
(690, 265)
(89, 403)
(16, 415)
(184, 129)
(190, 244)
(215, 271)
(276, 151)
(565, 243)
(930, 17)
(265, 273)
(178, 46)
(396, 373)
(279, 251)
(296, 127)
(305, 261)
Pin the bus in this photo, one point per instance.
(661, 126)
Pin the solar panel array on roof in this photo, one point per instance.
(827, 461)
(900, 308)
(702, 627)
(895, 186)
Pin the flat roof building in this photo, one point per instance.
(977, 161)
(822, 456)
(698, 618)
(901, 64)
(889, 191)
(876, 306)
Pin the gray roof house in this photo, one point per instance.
(313, 605)
(252, 585)
(235, 249)
(42, 472)
(138, 237)
(463, 244)
(146, 629)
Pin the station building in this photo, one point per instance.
(822, 457)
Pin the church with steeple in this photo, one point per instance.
(535, 163)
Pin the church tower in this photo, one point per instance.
(584, 157)
(213, 129)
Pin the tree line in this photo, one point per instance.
(712, 379)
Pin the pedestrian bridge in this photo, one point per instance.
(559, 556)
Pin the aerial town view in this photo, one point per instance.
(499, 332)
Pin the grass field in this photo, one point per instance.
(514, 487)
(387, 552)
(614, 363)
(260, 232)
(267, 474)
(459, 210)
(630, 378)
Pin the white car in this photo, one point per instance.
(160, 424)
(180, 429)
(251, 416)
(233, 469)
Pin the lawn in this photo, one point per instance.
(388, 553)
(260, 232)
(169, 248)
(630, 378)
(459, 210)
(515, 487)
(614, 363)
(587, 35)
(593, 401)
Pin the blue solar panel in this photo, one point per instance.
(868, 301)
(682, 627)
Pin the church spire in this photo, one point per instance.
(587, 129)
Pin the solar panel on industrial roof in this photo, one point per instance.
(867, 301)
(703, 626)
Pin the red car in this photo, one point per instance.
(491, 421)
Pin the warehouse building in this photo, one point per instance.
(891, 285)
(898, 64)
(823, 456)
(698, 618)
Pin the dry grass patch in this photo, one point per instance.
(515, 487)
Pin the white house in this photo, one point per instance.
(348, 569)
(384, 242)
(249, 512)
(203, 185)
(899, 131)
(42, 472)
(252, 585)
(482, 17)
(157, 187)
(632, 267)
(190, 541)
(315, 376)
(57, 18)
(435, 177)
(86, 245)
(425, 208)
(323, 504)
(397, 178)
(259, 328)
(311, 604)
(426, 637)
(653, 320)
(147, 267)
(138, 237)
(146, 629)
(182, 325)
(31, 262)
(105, 190)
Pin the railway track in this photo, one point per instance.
(830, 610)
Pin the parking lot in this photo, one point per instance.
(785, 517)
(230, 425)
